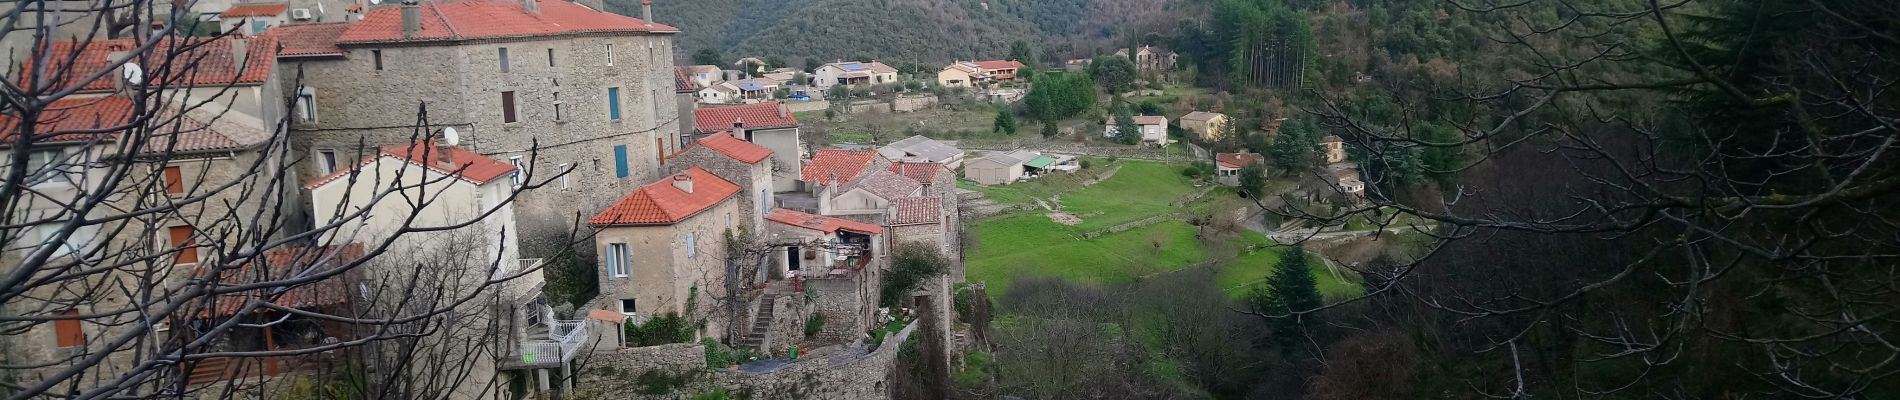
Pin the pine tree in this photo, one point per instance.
(1290, 289)
(1049, 129)
(1005, 122)
(1126, 132)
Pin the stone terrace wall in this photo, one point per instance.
(614, 370)
(851, 374)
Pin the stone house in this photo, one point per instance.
(705, 75)
(838, 261)
(1227, 166)
(198, 136)
(592, 90)
(463, 185)
(856, 184)
(738, 161)
(1206, 125)
(770, 125)
(1150, 58)
(1154, 129)
(1333, 148)
(662, 248)
(922, 149)
(853, 74)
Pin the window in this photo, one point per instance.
(44, 165)
(558, 115)
(564, 174)
(516, 176)
(67, 332)
(613, 103)
(659, 150)
(72, 244)
(377, 56)
(508, 107)
(692, 248)
(610, 54)
(620, 161)
(307, 104)
(617, 259)
(765, 201)
(550, 58)
(504, 59)
(326, 161)
(182, 243)
(174, 180)
(627, 307)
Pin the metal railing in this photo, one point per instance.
(535, 352)
(570, 334)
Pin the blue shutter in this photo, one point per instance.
(613, 103)
(620, 161)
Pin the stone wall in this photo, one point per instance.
(614, 370)
(803, 106)
(913, 103)
(855, 373)
(843, 302)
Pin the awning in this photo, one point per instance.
(1040, 162)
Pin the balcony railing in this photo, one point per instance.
(562, 343)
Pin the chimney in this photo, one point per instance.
(784, 112)
(529, 6)
(411, 18)
(683, 183)
(240, 52)
(739, 130)
(444, 153)
(646, 12)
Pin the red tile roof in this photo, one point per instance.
(308, 39)
(467, 165)
(819, 222)
(923, 172)
(662, 203)
(1236, 160)
(768, 115)
(254, 10)
(70, 120)
(724, 143)
(487, 19)
(289, 264)
(192, 61)
(993, 65)
(836, 164)
(916, 211)
(682, 81)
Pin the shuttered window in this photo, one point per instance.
(67, 332)
(620, 161)
(174, 180)
(181, 240)
(508, 107)
(613, 103)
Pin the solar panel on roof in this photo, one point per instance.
(853, 67)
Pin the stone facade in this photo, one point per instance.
(755, 180)
(672, 266)
(462, 86)
(853, 372)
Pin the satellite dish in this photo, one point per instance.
(376, 1)
(450, 138)
(133, 74)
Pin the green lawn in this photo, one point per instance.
(1029, 245)
(1242, 274)
(1140, 190)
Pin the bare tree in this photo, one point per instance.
(1686, 199)
(156, 237)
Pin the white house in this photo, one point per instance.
(852, 74)
(1154, 129)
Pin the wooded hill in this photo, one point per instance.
(920, 31)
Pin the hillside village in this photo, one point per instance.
(731, 248)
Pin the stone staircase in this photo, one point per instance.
(761, 326)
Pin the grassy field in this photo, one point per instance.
(1028, 244)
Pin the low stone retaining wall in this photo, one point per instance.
(852, 373)
(616, 370)
(1131, 225)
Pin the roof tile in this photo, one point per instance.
(922, 172)
(75, 116)
(467, 165)
(308, 39)
(768, 115)
(820, 223)
(836, 164)
(254, 10)
(916, 211)
(172, 62)
(286, 264)
(662, 203)
(1236, 160)
(486, 19)
(724, 143)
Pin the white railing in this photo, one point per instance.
(524, 286)
(569, 334)
(540, 352)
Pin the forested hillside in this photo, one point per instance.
(921, 31)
